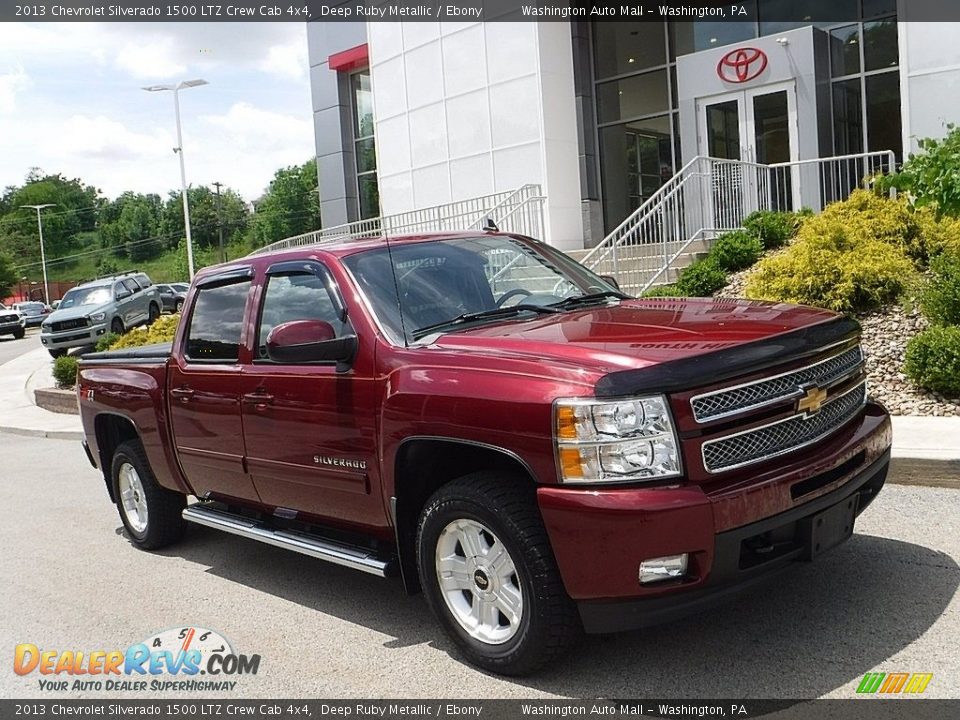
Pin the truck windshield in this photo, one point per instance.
(453, 284)
(85, 296)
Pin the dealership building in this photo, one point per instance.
(600, 114)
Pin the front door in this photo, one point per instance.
(310, 430)
(204, 388)
(757, 126)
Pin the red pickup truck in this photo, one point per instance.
(536, 451)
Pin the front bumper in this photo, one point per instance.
(600, 536)
(7, 328)
(78, 337)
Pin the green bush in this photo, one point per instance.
(661, 291)
(940, 300)
(931, 176)
(106, 341)
(736, 250)
(771, 227)
(163, 330)
(933, 360)
(65, 371)
(702, 279)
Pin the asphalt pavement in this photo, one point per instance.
(11, 348)
(885, 601)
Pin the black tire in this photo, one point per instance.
(152, 314)
(116, 326)
(179, 306)
(19, 333)
(164, 524)
(506, 505)
(58, 353)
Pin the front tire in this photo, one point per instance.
(489, 574)
(57, 353)
(19, 333)
(150, 513)
(116, 326)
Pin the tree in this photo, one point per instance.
(203, 216)
(291, 205)
(931, 176)
(8, 276)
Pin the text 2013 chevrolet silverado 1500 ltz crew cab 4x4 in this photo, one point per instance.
(479, 414)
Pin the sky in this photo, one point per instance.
(71, 103)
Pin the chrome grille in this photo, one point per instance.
(10, 318)
(749, 396)
(769, 441)
(69, 324)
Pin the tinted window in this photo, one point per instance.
(216, 323)
(132, 285)
(143, 280)
(298, 296)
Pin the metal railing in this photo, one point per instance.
(519, 211)
(709, 196)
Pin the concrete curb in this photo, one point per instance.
(56, 400)
(924, 472)
(50, 434)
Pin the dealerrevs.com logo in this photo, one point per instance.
(178, 659)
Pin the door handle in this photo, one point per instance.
(259, 399)
(183, 394)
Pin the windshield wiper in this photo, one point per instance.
(589, 299)
(483, 315)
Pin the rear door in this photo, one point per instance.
(311, 431)
(204, 389)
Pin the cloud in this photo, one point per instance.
(11, 83)
(156, 58)
(103, 138)
(286, 60)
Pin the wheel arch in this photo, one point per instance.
(111, 431)
(423, 465)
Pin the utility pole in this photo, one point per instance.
(223, 256)
(43, 255)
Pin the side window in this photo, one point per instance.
(131, 285)
(295, 296)
(216, 323)
(119, 289)
(143, 280)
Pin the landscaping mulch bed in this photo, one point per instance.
(885, 336)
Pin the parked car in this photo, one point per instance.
(12, 322)
(34, 312)
(89, 311)
(173, 295)
(533, 449)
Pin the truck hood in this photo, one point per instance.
(74, 313)
(636, 333)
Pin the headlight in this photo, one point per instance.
(621, 441)
(98, 317)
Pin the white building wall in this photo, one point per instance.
(929, 78)
(469, 109)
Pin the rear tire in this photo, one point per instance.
(150, 513)
(179, 306)
(116, 327)
(152, 314)
(489, 574)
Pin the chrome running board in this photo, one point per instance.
(315, 546)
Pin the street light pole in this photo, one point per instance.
(43, 254)
(175, 89)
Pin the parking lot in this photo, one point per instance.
(885, 601)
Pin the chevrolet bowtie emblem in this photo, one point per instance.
(811, 402)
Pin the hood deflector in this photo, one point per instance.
(708, 368)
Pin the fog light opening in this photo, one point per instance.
(670, 567)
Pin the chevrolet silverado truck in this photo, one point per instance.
(478, 414)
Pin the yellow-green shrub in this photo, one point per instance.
(162, 330)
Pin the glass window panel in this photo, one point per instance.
(624, 47)
(782, 15)
(635, 160)
(848, 117)
(723, 130)
(366, 155)
(638, 95)
(369, 196)
(362, 105)
(883, 112)
(302, 296)
(845, 50)
(674, 104)
(771, 124)
(880, 44)
(873, 8)
(689, 37)
(216, 322)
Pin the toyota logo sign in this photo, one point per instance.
(742, 64)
